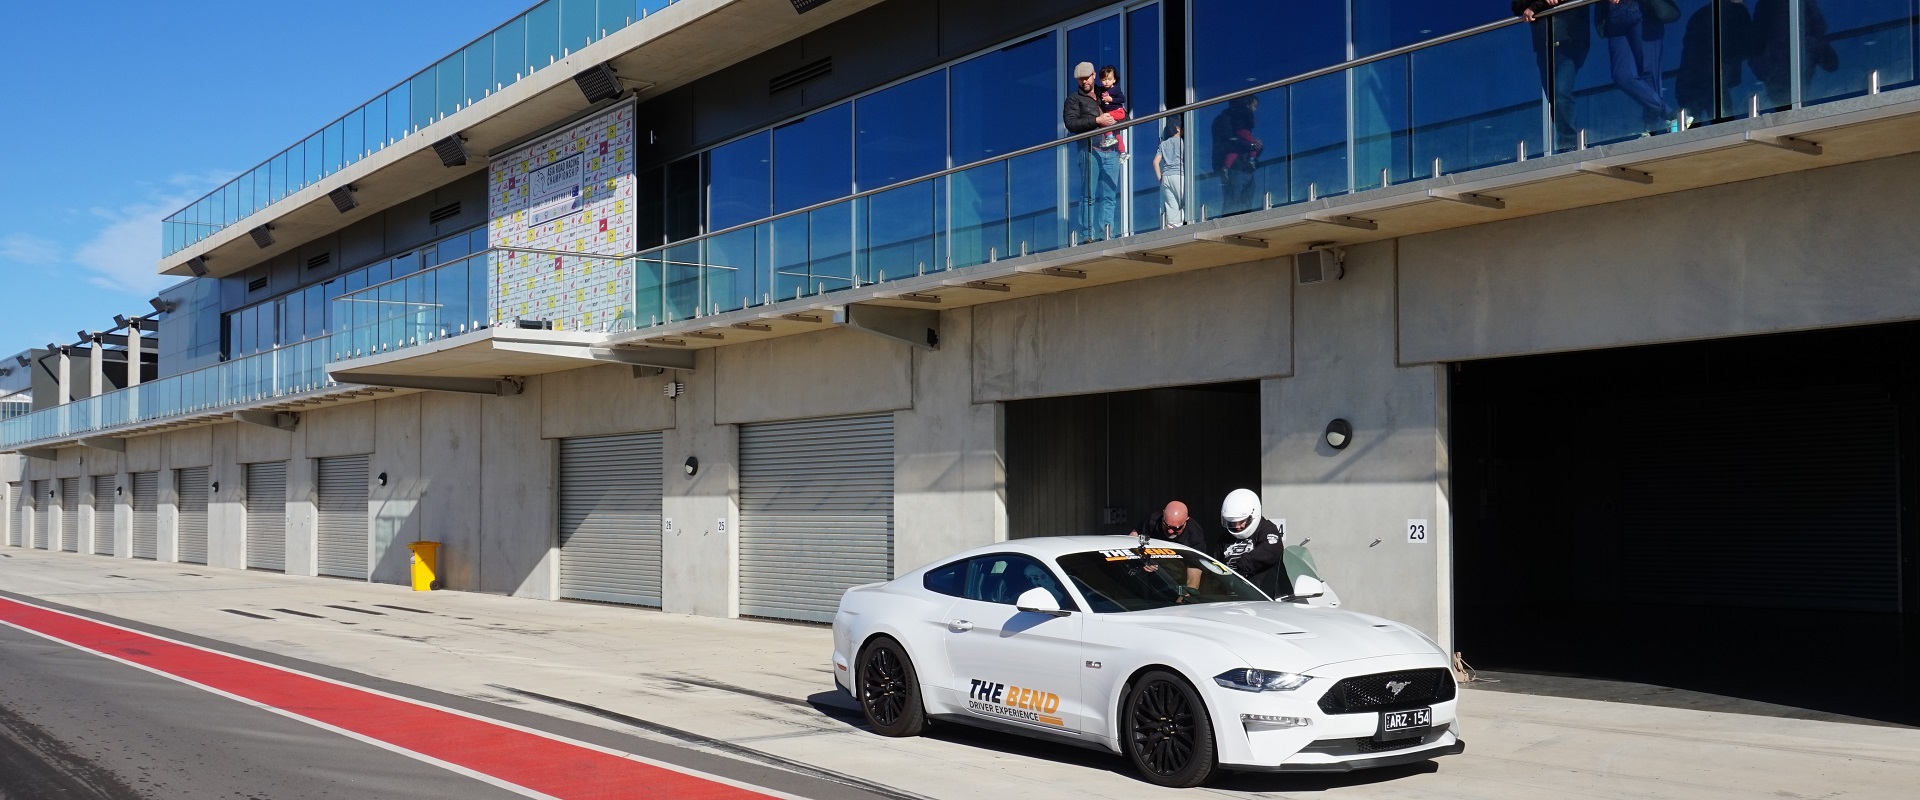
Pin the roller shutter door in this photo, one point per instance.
(267, 516)
(70, 515)
(343, 517)
(103, 502)
(816, 513)
(610, 518)
(40, 515)
(190, 486)
(146, 515)
(17, 532)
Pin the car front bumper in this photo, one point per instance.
(1409, 756)
(1327, 742)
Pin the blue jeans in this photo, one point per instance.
(1636, 41)
(1101, 194)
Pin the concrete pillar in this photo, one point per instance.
(303, 557)
(96, 371)
(1355, 503)
(701, 561)
(395, 506)
(134, 346)
(949, 478)
(63, 377)
(518, 553)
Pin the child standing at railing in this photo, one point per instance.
(1113, 103)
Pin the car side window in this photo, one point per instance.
(1003, 577)
(947, 579)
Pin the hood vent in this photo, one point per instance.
(806, 74)
(444, 213)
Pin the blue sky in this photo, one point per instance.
(114, 114)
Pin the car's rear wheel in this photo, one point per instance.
(1168, 735)
(890, 690)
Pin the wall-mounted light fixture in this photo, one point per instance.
(691, 465)
(119, 490)
(216, 487)
(1339, 434)
(382, 479)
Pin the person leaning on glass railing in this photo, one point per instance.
(1560, 50)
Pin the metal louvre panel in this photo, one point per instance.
(17, 532)
(40, 515)
(1765, 507)
(267, 516)
(146, 515)
(70, 514)
(610, 548)
(343, 517)
(103, 502)
(816, 513)
(190, 487)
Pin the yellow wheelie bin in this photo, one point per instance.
(426, 565)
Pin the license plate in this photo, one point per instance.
(1398, 724)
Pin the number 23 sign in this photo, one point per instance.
(1416, 531)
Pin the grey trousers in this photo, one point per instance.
(1173, 199)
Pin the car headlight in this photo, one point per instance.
(1260, 680)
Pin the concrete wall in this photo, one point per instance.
(1800, 251)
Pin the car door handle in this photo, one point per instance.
(959, 626)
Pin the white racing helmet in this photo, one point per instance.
(1240, 513)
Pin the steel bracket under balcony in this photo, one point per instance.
(105, 443)
(278, 420)
(498, 387)
(917, 327)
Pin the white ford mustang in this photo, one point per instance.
(1159, 653)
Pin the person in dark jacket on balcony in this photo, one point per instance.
(1100, 194)
(1560, 47)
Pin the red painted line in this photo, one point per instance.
(539, 763)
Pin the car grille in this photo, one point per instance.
(1368, 693)
(1347, 748)
(1371, 746)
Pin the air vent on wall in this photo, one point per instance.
(257, 284)
(810, 72)
(444, 213)
(319, 261)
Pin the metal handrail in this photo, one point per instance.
(1383, 55)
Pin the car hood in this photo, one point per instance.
(1285, 636)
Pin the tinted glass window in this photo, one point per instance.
(1132, 580)
(739, 182)
(1006, 100)
(903, 132)
(813, 159)
(1004, 577)
(947, 579)
(683, 199)
(1386, 24)
(1238, 44)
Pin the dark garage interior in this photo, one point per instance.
(1104, 463)
(1731, 517)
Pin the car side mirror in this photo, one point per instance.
(1039, 601)
(1307, 587)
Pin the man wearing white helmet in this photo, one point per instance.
(1252, 545)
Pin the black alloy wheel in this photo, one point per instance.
(889, 690)
(1168, 735)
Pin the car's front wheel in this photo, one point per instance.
(890, 690)
(1168, 735)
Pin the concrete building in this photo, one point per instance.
(728, 305)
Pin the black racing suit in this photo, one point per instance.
(1257, 558)
(1193, 535)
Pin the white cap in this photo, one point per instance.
(1083, 69)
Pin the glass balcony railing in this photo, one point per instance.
(1496, 94)
(548, 32)
(543, 289)
(290, 370)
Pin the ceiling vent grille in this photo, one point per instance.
(598, 83)
(444, 213)
(257, 284)
(319, 261)
(806, 74)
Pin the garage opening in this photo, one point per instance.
(1105, 463)
(1728, 517)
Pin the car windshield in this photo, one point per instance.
(1137, 579)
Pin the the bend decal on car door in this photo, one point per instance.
(996, 699)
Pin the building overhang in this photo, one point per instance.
(670, 48)
(477, 362)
